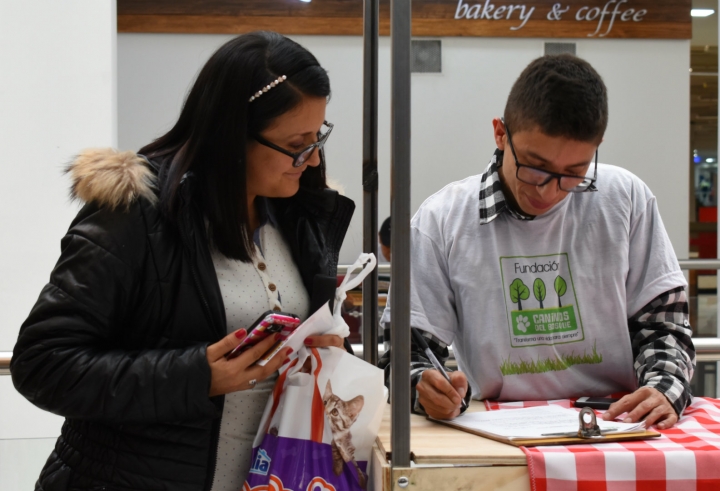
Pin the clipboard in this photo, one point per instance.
(588, 433)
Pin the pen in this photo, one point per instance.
(420, 341)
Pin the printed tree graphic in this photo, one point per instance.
(539, 291)
(560, 288)
(519, 292)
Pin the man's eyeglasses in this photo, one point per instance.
(299, 158)
(538, 177)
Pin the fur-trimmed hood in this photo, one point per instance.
(106, 177)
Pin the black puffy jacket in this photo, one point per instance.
(116, 342)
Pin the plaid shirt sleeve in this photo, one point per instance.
(418, 364)
(662, 347)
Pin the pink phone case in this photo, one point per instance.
(269, 323)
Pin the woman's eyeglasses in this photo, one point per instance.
(538, 177)
(299, 158)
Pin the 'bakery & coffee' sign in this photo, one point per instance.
(599, 19)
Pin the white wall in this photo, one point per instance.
(648, 83)
(649, 131)
(57, 96)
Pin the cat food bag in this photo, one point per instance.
(323, 416)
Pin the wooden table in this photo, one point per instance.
(446, 459)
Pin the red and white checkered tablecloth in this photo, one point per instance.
(685, 458)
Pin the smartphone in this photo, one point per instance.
(595, 402)
(270, 322)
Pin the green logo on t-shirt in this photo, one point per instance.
(542, 309)
(538, 316)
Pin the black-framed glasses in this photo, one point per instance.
(299, 158)
(539, 177)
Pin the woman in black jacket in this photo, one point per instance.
(177, 249)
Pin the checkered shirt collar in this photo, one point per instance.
(492, 198)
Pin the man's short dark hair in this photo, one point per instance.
(385, 233)
(563, 96)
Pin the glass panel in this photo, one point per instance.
(703, 318)
(704, 141)
(704, 382)
(703, 315)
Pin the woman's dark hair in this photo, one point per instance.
(210, 136)
(563, 96)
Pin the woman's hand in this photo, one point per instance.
(240, 373)
(324, 341)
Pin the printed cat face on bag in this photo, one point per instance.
(341, 414)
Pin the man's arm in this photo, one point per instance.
(664, 361)
(419, 363)
(433, 312)
(662, 347)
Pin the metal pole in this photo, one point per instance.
(400, 22)
(699, 263)
(370, 176)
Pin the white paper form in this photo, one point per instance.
(535, 422)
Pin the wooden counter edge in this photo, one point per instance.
(471, 449)
(453, 476)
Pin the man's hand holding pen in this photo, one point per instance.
(440, 398)
(442, 394)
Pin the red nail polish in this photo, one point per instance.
(308, 342)
(240, 333)
(278, 336)
(289, 352)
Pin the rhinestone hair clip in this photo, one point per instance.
(272, 84)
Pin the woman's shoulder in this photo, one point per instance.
(111, 179)
(119, 193)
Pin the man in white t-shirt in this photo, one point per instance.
(551, 275)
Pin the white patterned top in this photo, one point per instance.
(271, 282)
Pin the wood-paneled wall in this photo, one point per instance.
(668, 19)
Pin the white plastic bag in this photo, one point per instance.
(323, 416)
(323, 321)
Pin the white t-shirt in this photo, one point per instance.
(538, 309)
